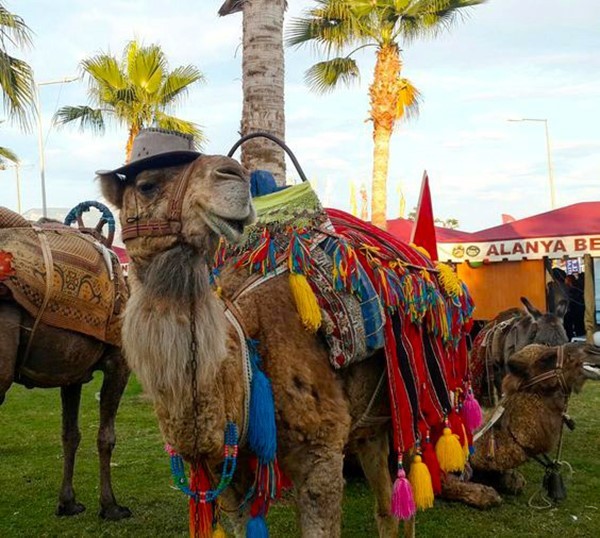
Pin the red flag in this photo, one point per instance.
(423, 232)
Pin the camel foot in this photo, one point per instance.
(476, 495)
(512, 483)
(115, 512)
(70, 508)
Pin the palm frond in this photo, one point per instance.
(13, 29)
(146, 67)
(104, 71)
(172, 123)
(8, 154)
(408, 100)
(18, 88)
(88, 118)
(325, 76)
(178, 82)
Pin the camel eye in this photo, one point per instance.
(148, 188)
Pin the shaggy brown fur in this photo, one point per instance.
(315, 406)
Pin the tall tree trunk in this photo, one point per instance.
(133, 132)
(263, 85)
(383, 94)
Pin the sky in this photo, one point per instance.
(507, 59)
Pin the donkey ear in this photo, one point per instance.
(533, 311)
(112, 188)
(561, 308)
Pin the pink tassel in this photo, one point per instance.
(471, 412)
(403, 503)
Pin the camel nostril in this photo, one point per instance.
(231, 172)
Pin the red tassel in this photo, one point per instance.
(430, 459)
(201, 512)
(456, 425)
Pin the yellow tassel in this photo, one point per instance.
(219, 532)
(449, 452)
(465, 447)
(449, 280)
(420, 480)
(306, 302)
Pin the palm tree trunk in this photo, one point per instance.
(133, 132)
(263, 85)
(383, 94)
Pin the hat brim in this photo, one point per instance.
(173, 158)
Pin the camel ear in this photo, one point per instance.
(112, 188)
(533, 311)
(561, 308)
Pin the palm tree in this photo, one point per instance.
(334, 26)
(263, 69)
(7, 155)
(136, 92)
(16, 76)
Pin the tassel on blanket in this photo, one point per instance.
(430, 459)
(449, 451)
(201, 511)
(403, 503)
(306, 302)
(263, 258)
(471, 411)
(345, 268)
(420, 480)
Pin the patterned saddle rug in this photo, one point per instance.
(66, 277)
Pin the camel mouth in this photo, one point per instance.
(230, 228)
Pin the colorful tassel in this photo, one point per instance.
(449, 452)
(306, 302)
(201, 512)
(219, 532)
(420, 480)
(430, 459)
(262, 432)
(403, 503)
(257, 528)
(471, 412)
(455, 423)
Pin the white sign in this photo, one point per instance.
(518, 249)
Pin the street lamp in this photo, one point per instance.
(38, 111)
(550, 172)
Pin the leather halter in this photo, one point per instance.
(137, 227)
(556, 372)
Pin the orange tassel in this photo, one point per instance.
(201, 513)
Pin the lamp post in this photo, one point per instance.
(550, 172)
(38, 111)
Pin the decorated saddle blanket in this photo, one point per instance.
(68, 277)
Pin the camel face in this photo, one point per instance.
(535, 360)
(215, 202)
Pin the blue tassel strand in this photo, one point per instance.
(257, 528)
(262, 433)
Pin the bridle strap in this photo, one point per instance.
(162, 227)
(557, 372)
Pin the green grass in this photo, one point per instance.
(31, 471)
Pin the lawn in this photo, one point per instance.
(31, 471)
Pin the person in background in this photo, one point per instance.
(574, 325)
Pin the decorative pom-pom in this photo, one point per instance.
(449, 452)
(403, 503)
(257, 528)
(471, 412)
(420, 480)
(306, 301)
(430, 459)
(219, 532)
(262, 432)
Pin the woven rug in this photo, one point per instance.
(88, 288)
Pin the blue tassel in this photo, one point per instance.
(262, 433)
(257, 528)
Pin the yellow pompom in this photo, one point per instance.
(306, 302)
(219, 532)
(420, 480)
(449, 452)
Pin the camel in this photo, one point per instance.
(36, 354)
(537, 389)
(174, 211)
(506, 334)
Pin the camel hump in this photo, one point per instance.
(11, 219)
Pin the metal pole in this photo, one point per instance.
(550, 171)
(17, 167)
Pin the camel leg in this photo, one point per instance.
(70, 396)
(373, 456)
(9, 345)
(470, 493)
(116, 374)
(319, 485)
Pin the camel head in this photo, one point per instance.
(537, 328)
(191, 204)
(537, 368)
